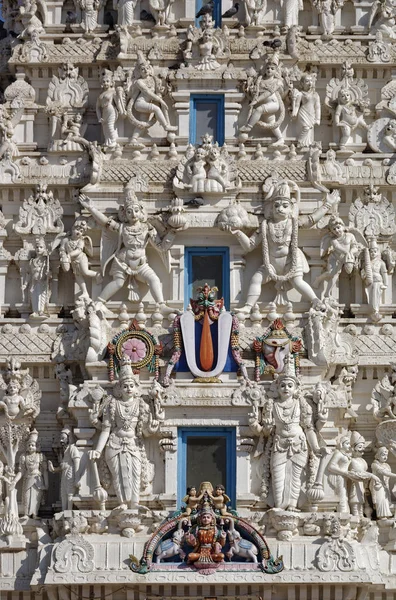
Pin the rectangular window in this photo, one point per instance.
(207, 265)
(207, 454)
(216, 11)
(206, 116)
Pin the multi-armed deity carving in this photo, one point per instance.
(207, 42)
(123, 244)
(123, 420)
(67, 99)
(205, 170)
(291, 430)
(348, 100)
(283, 261)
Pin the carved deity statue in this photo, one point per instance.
(382, 19)
(124, 419)
(75, 249)
(207, 168)
(36, 279)
(206, 44)
(67, 97)
(160, 10)
(359, 476)
(108, 108)
(348, 99)
(372, 213)
(69, 466)
(125, 9)
(7, 122)
(338, 472)
(306, 109)
(288, 421)
(375, 277)
(30, 22)
(90, 9)
(283, 261)
(291, 10)
(124, 242)
(142, 98)
(40, 214)
(341, 247)
(266, 92)
(327, 10)
(34, 474)
(255, 11)
(381, 491)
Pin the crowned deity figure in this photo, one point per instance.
(206, 538)
(124, 419)
(283, 261)
(34, 474)
(124, 242)
(288, 421)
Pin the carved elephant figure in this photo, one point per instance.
(171, 547)
(239, 546)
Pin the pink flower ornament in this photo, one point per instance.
(135, 349)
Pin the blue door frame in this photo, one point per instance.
(218, 99)
(229, 433)
(206, 251)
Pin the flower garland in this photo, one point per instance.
(294, 247)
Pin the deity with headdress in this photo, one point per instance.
(123, 244)
(123, 420)
(207, 539)
(284, 262)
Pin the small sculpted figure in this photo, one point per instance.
(327, 10)
(125, 419)
(144, 96)
(220, 499)
(347, 117)
(283, 261)
(38, 279)
(288, 419)
(30, 22)
(359, 476)
(125, 246)
(255, 11)
(338, 472)
(161, 10)
(266, 105)
(13, 404)
(306, 109)
(89, 10)
(126, 10)
(342, 249)
(34, 474)
(75, 249)
(191, 500)
(381, 491)
(382, 19)
(68, 468)
(107, 109)
(375, 276)
(206, 539)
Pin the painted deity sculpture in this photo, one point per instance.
(124, 242)
(342, 248)
(266, 92)
(34, 474)
(69, 466)
(306, 109)
(288, 420)
(206, 539)
(123, 420)
(75, 249)
(143, 98)
(283, 262)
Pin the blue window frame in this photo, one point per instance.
(216, 261)
(226, 436)
(216, 11)
(206, 116)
